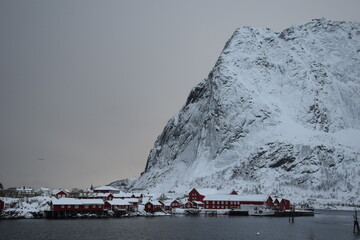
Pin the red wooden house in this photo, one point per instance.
(276, 204)
(285, 204)
(166, 205)
(189, 204)
(2, 205)
(77, 205)
(198, 204)
(104, 196)
(153, 206)
(117, 204)
(175, 204)
(199, 194)
(61, 193)
(280, 204)
(233, 192)
(270, 202)
(232, 201)
(195, 195)
(139, 196)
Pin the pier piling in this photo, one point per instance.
(356, 223)
(292, 215)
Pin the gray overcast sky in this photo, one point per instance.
(87, 86)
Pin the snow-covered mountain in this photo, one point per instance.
(278, 114)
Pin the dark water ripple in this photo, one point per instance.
(328, 225)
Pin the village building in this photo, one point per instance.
(166, 204)
(122, 195)
(139, 196)
(285, 204)
(279, 204)
(61, 193)
(118, 204)
(104, 196)
(134, 202)
(234, 192)
(198, 204)
(106, 189)
(77, 205)
(25, 190)
(196, 195)
(232, 201)
(275, 204)
(188, 205)
(175, 204)
(199, 194)
(153, 206)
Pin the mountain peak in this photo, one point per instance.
(275, 113)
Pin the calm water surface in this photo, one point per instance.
(328, 225)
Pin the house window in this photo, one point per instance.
(94, 206)
(69, 206)
(86, 206)
(62, 206)
(76, 206)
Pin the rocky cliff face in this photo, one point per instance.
(279, 113)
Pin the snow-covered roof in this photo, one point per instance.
(132, 200)
(103, 194)
(56, 191)
(167, 202)
(137, 194)
(155, 203)
(248, 198)
(122, 195)
(76, 201)
(198, 202)
(106, 188)
(92, 201)
(182, 200)
(212, 191)
(118, 202)
(146, 199)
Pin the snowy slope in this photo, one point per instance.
(278, 114)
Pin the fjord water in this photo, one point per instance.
(328, 225)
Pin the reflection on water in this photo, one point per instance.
(328, 225)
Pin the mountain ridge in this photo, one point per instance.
(278, 112)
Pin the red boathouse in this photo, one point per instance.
(118, 204)
(153, 206)
(77, 205)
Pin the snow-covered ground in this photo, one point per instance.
(25, 207)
